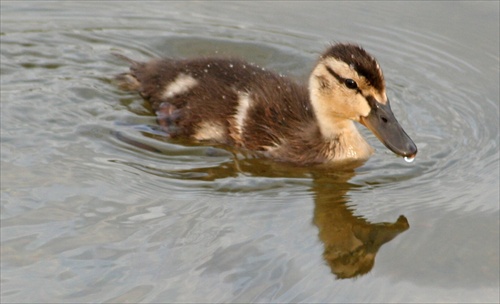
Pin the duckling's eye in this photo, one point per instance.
(351, 84)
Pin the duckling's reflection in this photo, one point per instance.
(350, 241)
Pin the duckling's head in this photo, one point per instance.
(348, 84)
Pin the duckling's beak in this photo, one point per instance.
(382, 122)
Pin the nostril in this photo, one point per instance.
(384, 119)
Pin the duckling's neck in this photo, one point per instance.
(350, 143)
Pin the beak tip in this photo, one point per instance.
(410, 153)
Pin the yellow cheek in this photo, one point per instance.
(358, 106)
(364, 108)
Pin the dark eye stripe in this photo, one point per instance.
(343, 80)
(340, 79)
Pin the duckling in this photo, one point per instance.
(236, 103)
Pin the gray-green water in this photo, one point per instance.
(87, 216)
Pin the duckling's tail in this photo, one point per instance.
(128, 81)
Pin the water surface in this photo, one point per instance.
(97, 207)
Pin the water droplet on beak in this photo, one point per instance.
(409, 159)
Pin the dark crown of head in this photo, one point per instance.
(362, 62)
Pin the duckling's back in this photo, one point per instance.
(222, 100)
